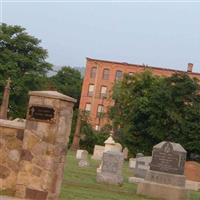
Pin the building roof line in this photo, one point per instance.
(141, 66)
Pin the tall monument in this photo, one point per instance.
(5, 100)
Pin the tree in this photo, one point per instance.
(150, 109)
(68, 81)
(23, 60)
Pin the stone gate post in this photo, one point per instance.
(46, 135)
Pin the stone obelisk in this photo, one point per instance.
(5, 100)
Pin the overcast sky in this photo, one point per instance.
(157, 34)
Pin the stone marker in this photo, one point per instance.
(165, 179)
(46, 136)
(83, 163)
(109, 144)
(138, 155)
(98, 152)
(132, 162)
(125, 152)
(142, 166)
(111, 170)
(81, 154)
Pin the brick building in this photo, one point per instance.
(100, 76)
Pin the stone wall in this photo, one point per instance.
(11, 137)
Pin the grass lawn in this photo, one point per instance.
(80, 184)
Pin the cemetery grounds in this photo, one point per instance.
(80, 184)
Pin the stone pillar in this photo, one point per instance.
(46, 136)
(5, 101)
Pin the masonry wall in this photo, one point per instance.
(11, 137)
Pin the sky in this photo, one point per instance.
(156, 33)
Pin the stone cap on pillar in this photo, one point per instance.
(52, 94)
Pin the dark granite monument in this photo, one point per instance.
(165, 179)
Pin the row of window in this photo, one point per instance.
(103, 91)
(106, 73)
(100, 109)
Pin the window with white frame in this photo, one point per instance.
(97, 127)
(93, 72)
(99, 110)
(118, 75)
(106, 74)
(88, 107)
(91, 90)
(103, 92)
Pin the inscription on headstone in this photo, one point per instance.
(110, 165)
(167, 158)
(41, 113)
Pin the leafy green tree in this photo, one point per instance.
(149, 109)
(23, 60)
(68, 81)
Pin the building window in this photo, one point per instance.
(100, 111)
(103, 92)
(88, 107)
(118, 75)
(106, 74)
(130, 73)
(93, 72)
(97, 127)
(91, 90)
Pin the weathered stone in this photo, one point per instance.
(83, 163)
(132, 163)
(142, 166)
(167, 192)
(81, 154)
(36, 171)
(14, 155)
(125, 152)
(30, 141)
(192, 171)
(45, 141)
(4, 172)
(40, 148)
(20, 135)
(98, 152)
(168, 157)
(36, 194)
(165, 179)
(111, 168)
(26, 155)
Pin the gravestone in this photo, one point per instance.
(111, 168)
(46, 136)
(98, 152)
(142, 166)
(81, 154)
(132, 162)
(165, 179)
(125, 152)
(83, 163)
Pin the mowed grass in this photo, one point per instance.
(80, 184)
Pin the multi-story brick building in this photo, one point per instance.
(100, 76)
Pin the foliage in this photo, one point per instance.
(67, 81)
(90, 137)
(23, 60)
(149, 109)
